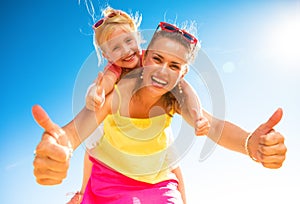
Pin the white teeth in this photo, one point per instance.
(159, 80)
(129, 58)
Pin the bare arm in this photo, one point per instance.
(96, 93)
(191, 103)
(263, 145)
(83, 125)
(191, 109)
(53, 152)
(108, 82)
(180, 187)
(226, 133)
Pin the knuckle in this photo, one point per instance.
(35, 172)
(284, 149)
(64, 175)
(262, 149)
(40, 181)
(36, 163)
(263, 157)
(65, 166)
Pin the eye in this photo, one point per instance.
(115, 48)
(175, 67)
(156, 59)
(129, 40)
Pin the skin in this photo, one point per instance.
(52, 153)
(122, 48)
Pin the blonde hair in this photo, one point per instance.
(120, 20)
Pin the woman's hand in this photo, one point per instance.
(53, 153)
(265, 145)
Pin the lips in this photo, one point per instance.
(158, 82)
(130, 58)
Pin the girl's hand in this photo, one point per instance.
(201, 123)
(95, 96)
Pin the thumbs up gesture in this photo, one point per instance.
(95, 96)
(201, 123)
(265, 145)
(52, 154)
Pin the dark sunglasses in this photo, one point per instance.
(171, 28)
(111, 15)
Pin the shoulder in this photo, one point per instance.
(112, 68)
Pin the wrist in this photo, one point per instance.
(247, 150)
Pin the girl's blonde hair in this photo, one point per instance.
(119, 19)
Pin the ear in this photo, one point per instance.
(144, 53)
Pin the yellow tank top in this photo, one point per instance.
(137, 148)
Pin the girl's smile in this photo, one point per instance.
(122, 49)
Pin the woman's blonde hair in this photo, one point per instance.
(119, 19)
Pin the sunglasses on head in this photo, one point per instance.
(111, 15)
(171, 28)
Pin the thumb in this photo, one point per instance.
(273, 120)
(196, 116)
(42, 118)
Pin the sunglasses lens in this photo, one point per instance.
(112, 15)
(169, 27)
(99, 23)
(189, 37)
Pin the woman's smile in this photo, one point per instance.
(158, 82)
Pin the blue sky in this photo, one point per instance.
(254, 46)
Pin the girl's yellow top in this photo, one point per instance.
(138, 148)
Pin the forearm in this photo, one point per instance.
(233, 137)
(191, 108)
(227, 134)
(108, 82)
(81, 127)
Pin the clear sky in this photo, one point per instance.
(253, 45)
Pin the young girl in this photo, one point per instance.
(116, 36)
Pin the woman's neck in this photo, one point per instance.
(143, 104)
(145, 97)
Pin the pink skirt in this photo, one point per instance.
(110, 187)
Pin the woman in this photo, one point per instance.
(127, 110)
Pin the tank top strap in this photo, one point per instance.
(119, 95)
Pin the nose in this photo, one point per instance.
(164, 67)
(126, 50)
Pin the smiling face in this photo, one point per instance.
(122, 48)
(165, 63)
